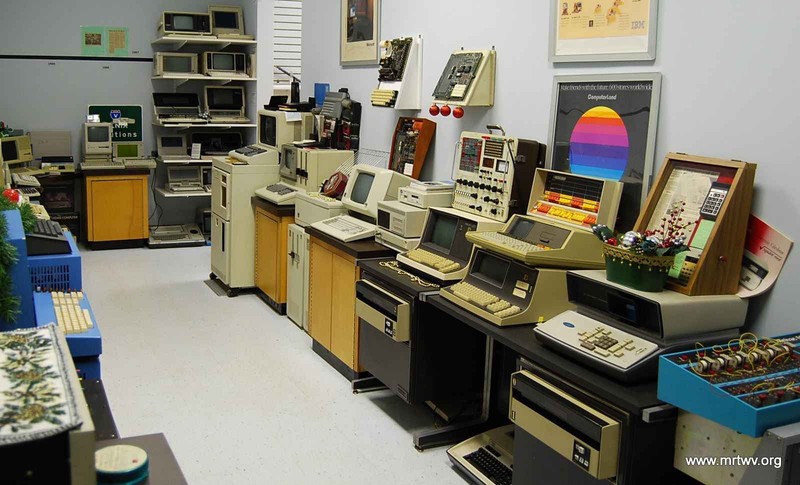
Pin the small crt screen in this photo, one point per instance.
(128, 151)
(267, 126)
(361, 187)
(222, 62)
(183, 22)
(97, 134)
(9, 150)
(171, 141)
(226, 20)
(522, 228)
(223, 98)
(490, 268)
(177, 64)
(444, 230)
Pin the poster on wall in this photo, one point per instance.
(127, 120)
(605, 126)
(603, 30)
(360, 29)
(99, 41)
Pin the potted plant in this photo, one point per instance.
(642, 260)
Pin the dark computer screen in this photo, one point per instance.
(127, 151)
(521, 228)
(182, 174)
(226, 20)
(490, 268)
(183, 22)
(288, 158)
(171, 141)
(177, 64)
(176, 100)
(444, 230)
(267, 130)
(222, 62)
(9, 150)
(97, 134)
(361, 187)
(222, 98)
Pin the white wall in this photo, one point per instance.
(729, 72)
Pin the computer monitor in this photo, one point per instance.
(184, 174)
(224, 63)
(128, 149)
(369, 185)
(97, 138)
(172, 146)
(217, 143)
(16, 149)
(180, 63)
(226, 19)
(224, 98)
(274, 130)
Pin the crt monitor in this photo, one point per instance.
(16, 149)
(8, 148)
(224, 98)
(226, 19)
(97, 138)
(275, 130)
(369, 185)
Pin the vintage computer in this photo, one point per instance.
(184, 23)
(175, 63)
(172, 147)
(225, 64)
(16, 150)
(227, 22)
(185, 178)
(97, 147)
(225, 104)
(131, 153)
(557, 230)
(399, 225)
(177, 108)
(366, 186)
(303, 170)
(444, 251)
(275, 129)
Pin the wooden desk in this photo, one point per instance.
(117, 210)
(332, 321)
(272, 232)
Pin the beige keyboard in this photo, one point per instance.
(492, 303)
(515, 244)
(39, 211)
(435, 261)
(71, 318)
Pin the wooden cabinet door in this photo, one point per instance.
(343, 310)
(266, 257)
(321, 278)
(117, 208)
(282, 252)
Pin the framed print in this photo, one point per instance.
(605, 126)
(603, 30)
(360, 30)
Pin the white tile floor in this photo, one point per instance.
(235, 388)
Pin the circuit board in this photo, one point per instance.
(749, 384)
(457, 76)
(412, 138)
(393, 61)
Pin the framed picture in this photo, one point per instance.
(603, 30)
(360, 31)
(605, 126)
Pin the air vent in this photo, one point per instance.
(494, 148)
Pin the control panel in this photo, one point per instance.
(749, 384)
(485, 175)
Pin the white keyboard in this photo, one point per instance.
(433, 260)
(345, 228)
(70, 317)
(493, 304)
(26, 180)
(103, 165)
(227, 74)
(40, 212)
(139, 162)
(513, 243)
(231, 119)
(187, 188)
(601, 342)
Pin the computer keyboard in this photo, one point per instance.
(345, 228)
(25, 180)
(227, 74)
(491, 468)
(433, 260)
(28, 191)
(40, 212)
(26, 171)
(139, 163)
(47, 237)
(70, 317)
(512, 242)
(231, 120)
(102, 165)
(187, 188)
(479, 297)
(281, 189)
